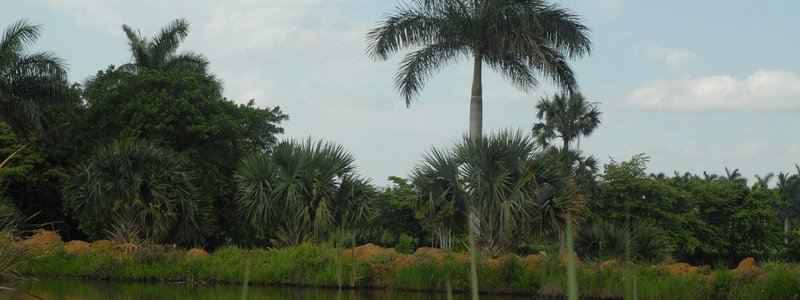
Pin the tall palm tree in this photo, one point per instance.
(161, 52)
(734, 176)
(789, 191)
(132, 183)
(307, 190)
(567, 117)
(521, 39)
(29, 82)
(502, 179)
(763, 182)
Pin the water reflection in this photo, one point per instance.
(56, 289)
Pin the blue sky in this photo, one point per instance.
(696, 85)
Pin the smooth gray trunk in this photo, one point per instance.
(786, 226)
(476, 101)
(476, 128)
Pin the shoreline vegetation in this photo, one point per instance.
(375, 267)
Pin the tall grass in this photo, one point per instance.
(310, 265)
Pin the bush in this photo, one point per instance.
(605, 240)
(406, 244)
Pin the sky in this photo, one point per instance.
(695, 85)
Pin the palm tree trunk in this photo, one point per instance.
(562, 235)
(786, 227)
(475, 128)
(476, 101)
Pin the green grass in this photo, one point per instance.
(322, 266)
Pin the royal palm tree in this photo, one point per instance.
(763, 182)
(306, 190)
(734, 176)
(29, 82)
(789, 191)
(502, 179)
(133, 183)
(568, 117)
(520, 39)
(161, 52)
(565, 117)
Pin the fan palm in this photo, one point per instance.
(29, 82)
(567, 117)
(306, 190)
(521, 39)
(136, 183)
(502, 179)
(160, 52)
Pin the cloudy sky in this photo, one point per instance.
(697, 85)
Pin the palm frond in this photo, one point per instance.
(16, 38)
(165, 44)
(419, 65)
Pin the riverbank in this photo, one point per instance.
(427, 269)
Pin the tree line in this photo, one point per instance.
(151, 150)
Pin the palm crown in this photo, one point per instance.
(161, 52)
(29, 81)
(567, 117)
(518, 38)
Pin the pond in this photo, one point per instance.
(62, 289)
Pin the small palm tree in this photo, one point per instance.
(521, 39)
(139, 183)
(501, 179)
(160, 52)
(565, 117)
(29, 82)
(307, 190)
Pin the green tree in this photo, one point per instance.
(501, 179)
(789, 192)
(177, 110)
(29, 82)
(306, 190)
(395, 214)
(568, 117)
(139, 183)
(160, 52)
(565, 117)
(763, 182)
(520, 39)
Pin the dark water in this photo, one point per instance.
(58, 289)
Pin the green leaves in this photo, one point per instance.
(160, 53)
(305, 189)
(29, 82)
(565, 116)
(142, 184)
(502, 177)
(520, 39)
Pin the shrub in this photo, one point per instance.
(406, 244)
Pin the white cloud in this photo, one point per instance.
(673, 58)
(763, 90)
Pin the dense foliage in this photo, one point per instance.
(503, 180)
(139, 183)
(154, 151)
(306, 191)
